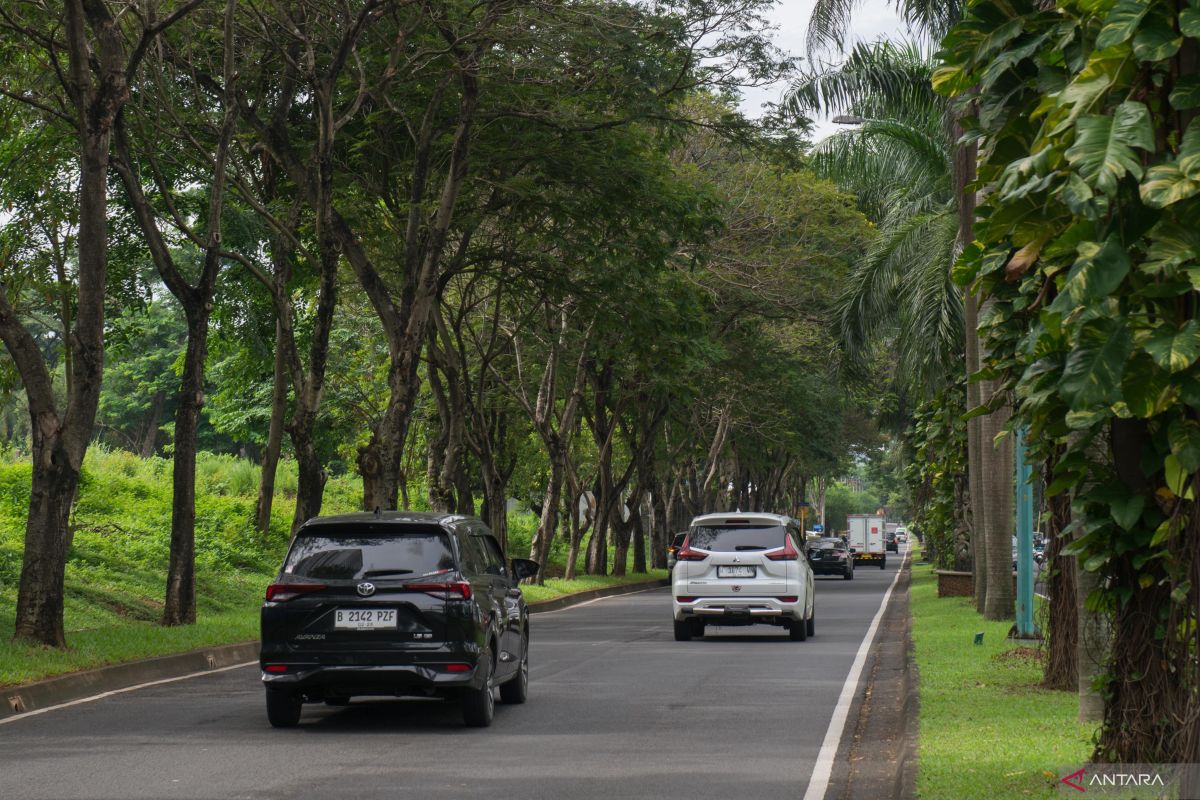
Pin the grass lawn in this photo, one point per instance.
(986, 729)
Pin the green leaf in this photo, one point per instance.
(1097, 271)
(1189, 22)
(1092, 373)
(1184, 438)
(1175, 349)
(1177, 477)
(1103, 149)
(1146, 389)
(1121, 22)
(1127, 511)
(1104, 68)
(1186, 94)
(1156, 40)
(1189, 152)
(1179, 593)
(1171, 245)
(1165, 184)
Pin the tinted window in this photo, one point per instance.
(495, 558)
(730, 538)
(828, 545)
(474, 558)
(349, 557)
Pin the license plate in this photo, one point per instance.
(735, 572)
(365, 619)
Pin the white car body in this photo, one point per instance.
(740, 569)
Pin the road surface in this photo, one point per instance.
(617, 709)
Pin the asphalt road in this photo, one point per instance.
(617, 709)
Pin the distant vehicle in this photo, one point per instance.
(743, 569)
(673, 549)
(866, 539)
(901, 534)
(395, 604)
(831, 556)
(889, 536)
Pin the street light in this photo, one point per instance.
(848, 119)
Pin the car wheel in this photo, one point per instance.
(883, 562)
(697, 628)
(848, 575)
(683, 630)
(810, 626)
(283, 708)
(479, 705)
(798, 630)
(516, 690)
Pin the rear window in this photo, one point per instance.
(732, 538)
(350, 557)
(827, 545)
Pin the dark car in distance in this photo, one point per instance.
(395, 604)
(831, 556)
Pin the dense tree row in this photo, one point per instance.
(474, 250)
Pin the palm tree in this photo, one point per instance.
(907, 160)
(898, 161)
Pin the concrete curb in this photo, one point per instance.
(17, 700)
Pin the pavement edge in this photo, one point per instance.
(18, 700)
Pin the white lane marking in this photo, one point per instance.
(102, 695)
(597, 600)
(818, 784)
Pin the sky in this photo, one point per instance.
(872, 20)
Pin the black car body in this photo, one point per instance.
(673, 549)
(889, 542)
(395, 604)
(831, 556)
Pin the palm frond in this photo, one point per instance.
(877, 79)
(829, 23)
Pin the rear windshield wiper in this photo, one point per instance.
(380, 573)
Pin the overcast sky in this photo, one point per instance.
(873, 19)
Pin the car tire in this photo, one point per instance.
(848, 575)
(479, 705)
(883, 562)
(283, 708)
(683, 630)
(798, 630)
(515, 690)
(810, 625)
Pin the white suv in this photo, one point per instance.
(742, 569)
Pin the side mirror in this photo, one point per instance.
(523, 568)
(853, 549)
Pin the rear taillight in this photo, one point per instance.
(685, 599)
(275, 668)
(444, 590)
(458, 668)
(688, 554)
(282, 592)
(787, 553)
(789, 598)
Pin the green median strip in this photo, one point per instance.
(987, 730)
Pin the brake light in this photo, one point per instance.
(786, 553)
(444, 590)
(282, 592)
(685, 599)
(688, 554)
(275, 668)
(789, 598)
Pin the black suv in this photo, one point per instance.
(831, 556)
(395, 604)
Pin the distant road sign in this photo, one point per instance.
(819, 528)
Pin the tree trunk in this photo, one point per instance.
(539, 548)
(639, 541)
(622, 531)
(180, 604)
(150, 437)
(270, 459)
(52, 494)
(997, 477)
(1062, 620)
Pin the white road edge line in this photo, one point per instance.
(102, 695)
(818, 783)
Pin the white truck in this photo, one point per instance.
(866, 538)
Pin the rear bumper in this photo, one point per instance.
(402, 673)
(829, 567)
(869, 557)
(739, 610)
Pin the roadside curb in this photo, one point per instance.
(18, 700)
(881, 742)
